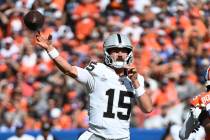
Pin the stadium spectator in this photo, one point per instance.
(45, 132)
(19, 134)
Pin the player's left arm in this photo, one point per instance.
(145, 103)
(144, 100)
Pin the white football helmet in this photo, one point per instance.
(117, 41)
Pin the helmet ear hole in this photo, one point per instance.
(128, 50)
(109, 50)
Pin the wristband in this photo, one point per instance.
(139, 91)
(53, 53)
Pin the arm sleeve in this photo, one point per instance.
(85, 78)
(140, 90)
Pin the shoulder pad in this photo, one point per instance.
(95, 68)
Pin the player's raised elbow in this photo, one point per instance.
(148, 109)
(72, 72)
(145, 103)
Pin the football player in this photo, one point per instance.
(112, 86)
(199, 113)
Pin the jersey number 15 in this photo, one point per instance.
(121, 104)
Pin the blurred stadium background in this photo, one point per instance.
(171, 42)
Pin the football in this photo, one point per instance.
(33, 20)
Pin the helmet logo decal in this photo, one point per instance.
(119, 38)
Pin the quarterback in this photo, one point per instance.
(113, 86)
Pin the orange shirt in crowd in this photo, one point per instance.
(182, 21)
(150, 41)
(1, 33)
(31, 123)
(81, 118)
(198, 24)
(59, 4)
(143, 60)
(86, 10)
(192, 77)
(84, 28)
(65, 122)
(166, 96)
(161, 98)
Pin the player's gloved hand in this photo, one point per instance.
(195, 111)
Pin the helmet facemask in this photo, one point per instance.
(118, 64)
(117, 41)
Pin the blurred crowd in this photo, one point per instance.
(171, 41)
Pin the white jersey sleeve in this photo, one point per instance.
(85, 78)
(86, 75)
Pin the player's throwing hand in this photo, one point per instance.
(43, 41)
